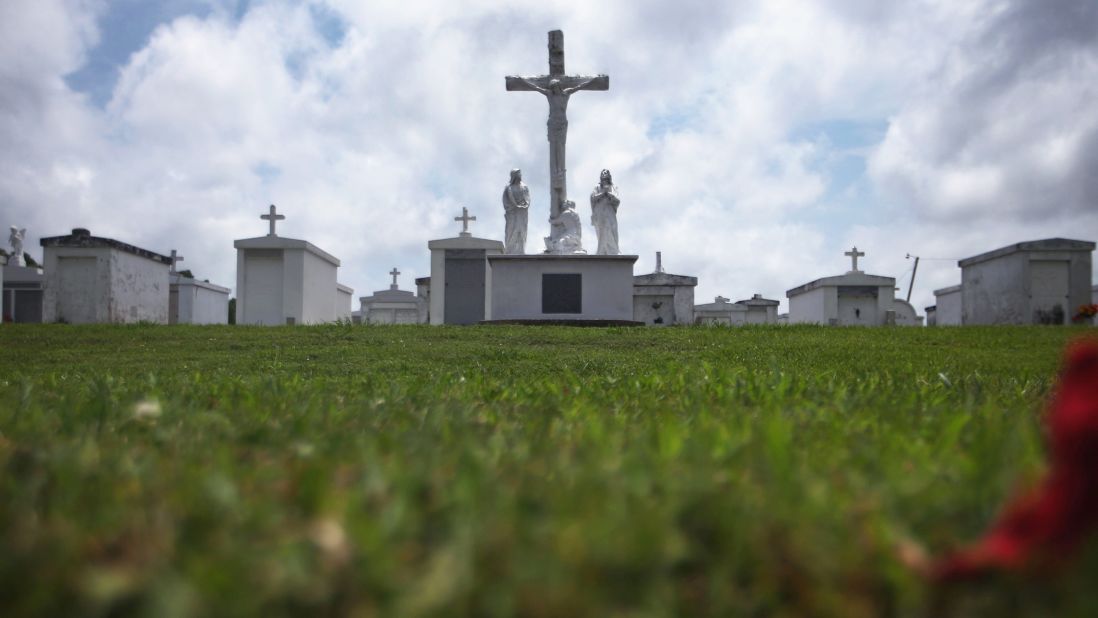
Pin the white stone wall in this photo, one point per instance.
(948, 307)
(993, 292)
(139, 289)
(260, 277)
(817, 306)
(344, 299)
(319, 285)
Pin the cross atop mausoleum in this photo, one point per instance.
(854, 254)
(465, 219)
(394, 272)
(557, 87)
(175, 257)
(272, 216)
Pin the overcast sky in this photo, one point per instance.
(753, 142)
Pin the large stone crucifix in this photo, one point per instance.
(557, 87)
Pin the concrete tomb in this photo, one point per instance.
(287, 281)
(460, 287)
(663, 299)
(760, 310)
(191, 301)
(89, 279)
(393, 306)
(1032, 282)
(851, 299)
(720, 312)
(947, 307)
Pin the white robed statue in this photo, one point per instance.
(570, 239)
(16, 239)
(516, 211)
(604, 214)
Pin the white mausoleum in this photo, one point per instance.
(851, 299)
(101, 280)
(287, 281)
(393, 306)
(460, 287)
(663, 299)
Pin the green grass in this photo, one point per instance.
(197, 471)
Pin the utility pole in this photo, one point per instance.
(913, 271)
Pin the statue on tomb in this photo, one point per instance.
(570, 239)
(16, 240)
(604, 214)
(516, 209)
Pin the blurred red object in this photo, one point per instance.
(1046, 525)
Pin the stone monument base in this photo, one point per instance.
(561, 288)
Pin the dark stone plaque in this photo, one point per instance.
(562, 293)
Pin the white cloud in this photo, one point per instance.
(370, 143)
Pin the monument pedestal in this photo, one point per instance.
(561, 288)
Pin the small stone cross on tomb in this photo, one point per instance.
(176, 258)
(394, 272)
(272, 216)
(465, 219)
(854, 254)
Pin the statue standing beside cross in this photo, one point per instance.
(557, 88)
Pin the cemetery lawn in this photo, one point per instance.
(535, 471)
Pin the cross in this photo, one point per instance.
(557, 87)
(394, 272)
(175, 258)
(272, 217)
(465, 219)
(854, 254)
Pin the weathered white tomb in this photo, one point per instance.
(460, 286)
(562, 287)
(287, 281)
(720, 312)
(946, 310)
(101, 280)
(191, 301)
(760, 310)
(663, 299)
(851, 299)
(1032, 282)
(393, 306)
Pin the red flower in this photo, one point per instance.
(1047, 524)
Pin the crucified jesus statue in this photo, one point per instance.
(557, 88)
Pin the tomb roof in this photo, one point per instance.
(1047, 244)
(851, 278)
(951, 289)
(282, 242)
(82, 238)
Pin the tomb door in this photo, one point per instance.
(78, 298)
(263, 288)
(465, 286)
(1048, 291)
